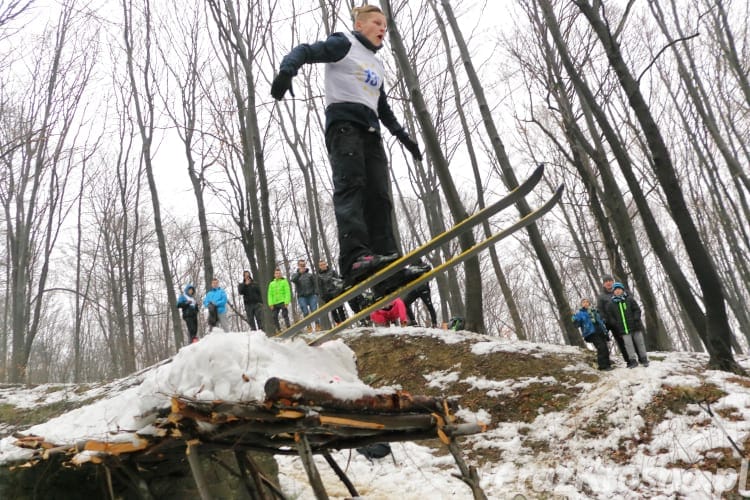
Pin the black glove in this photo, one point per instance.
(409, 144)
(280, 85)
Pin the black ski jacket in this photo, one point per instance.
(250, 293)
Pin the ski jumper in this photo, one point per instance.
(356, 104)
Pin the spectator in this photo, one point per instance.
(279, 297)
(421, 292)
(330, 287)
(395, 313)
(356, 104)
(189, 307)
(251, 297)
(601, 304)
(304, 284)
(216, 298)
(624, 317)
(594, 331)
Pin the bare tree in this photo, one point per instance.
(181, 50)
(240, 37)
(509, 177)
(513, 310)
(473, 303)
(41, 127)
(141, 77)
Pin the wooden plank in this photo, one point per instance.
(137, 444)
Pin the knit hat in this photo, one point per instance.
(607, 277)
(618, 285)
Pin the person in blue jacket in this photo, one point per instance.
(216, 298)
(189, 306)
(594, 331)
(356, 105)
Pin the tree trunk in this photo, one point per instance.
(145, 119)
(510, 301)
(570, 335)
(719, 335)
(474, 316)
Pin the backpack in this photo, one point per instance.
(213, 315)
(376, 450)
(456, 323)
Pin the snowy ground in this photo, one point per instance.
(574, 462)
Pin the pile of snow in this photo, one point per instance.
(222, 366)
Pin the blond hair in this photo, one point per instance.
(360, 13)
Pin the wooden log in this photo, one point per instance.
(456, 430)
(469, 475)
(284, 391)
(305, 454)
(250, 476)
(196, 469)
(340, 473)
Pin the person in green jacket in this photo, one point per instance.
(279, 297)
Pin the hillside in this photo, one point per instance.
(556, 426)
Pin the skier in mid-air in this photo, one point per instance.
(356, 104)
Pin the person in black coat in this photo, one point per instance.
(189, 306)
(421, 292)
(624, 317)
(252, 299)
(331, 285)
(601, 304)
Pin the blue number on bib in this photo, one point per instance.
(372, 78)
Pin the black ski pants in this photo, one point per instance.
(421, 292)
(280, 308)
(361, 193)
(602, 349)
(253, 312)
(192, 325)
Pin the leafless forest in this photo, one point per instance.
(140, 150)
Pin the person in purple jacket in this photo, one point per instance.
(356, 105)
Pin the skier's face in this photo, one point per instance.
(373, 27)
(618, 291)
(586, 303)
(608, 285)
